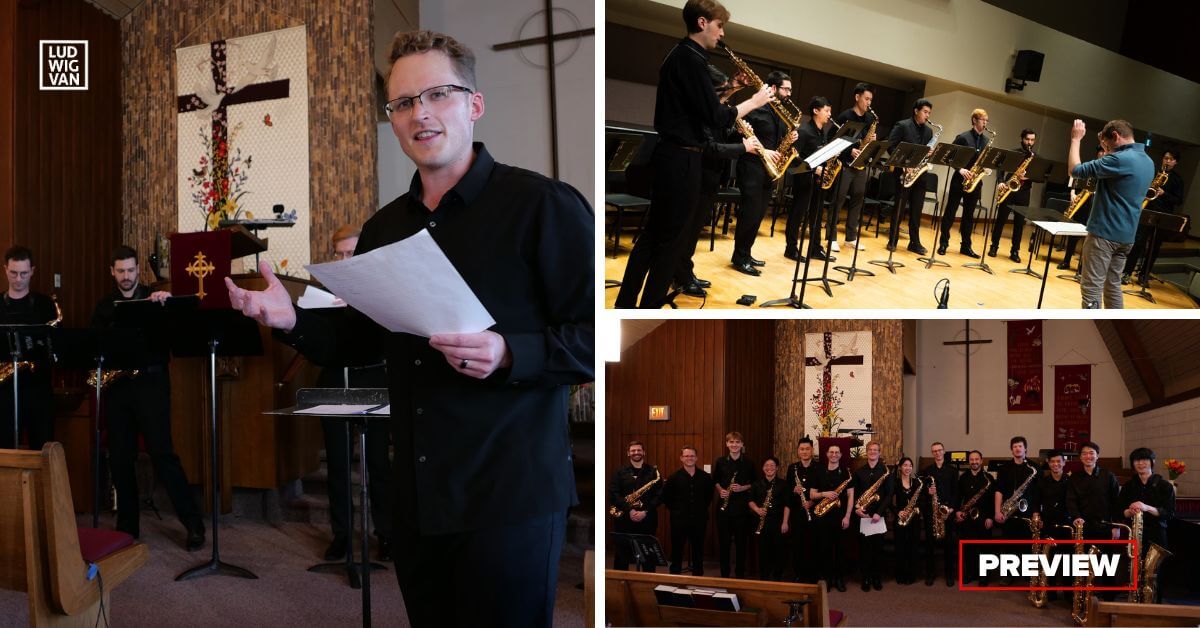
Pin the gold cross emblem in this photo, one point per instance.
(200, 268)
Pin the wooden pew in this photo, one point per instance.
(43, 553)
(630, 601)
(1126, 614)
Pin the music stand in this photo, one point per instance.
(868, 157)
(99, 349)
(1051, 222)
(646, 549)
(16, 335)
(904, 155)
(377, 398)
(953, 157)
(196, 333)
(1156, 221)
(792, 299)
(1038, 171)
(998, 160)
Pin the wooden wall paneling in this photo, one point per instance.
(8, 102)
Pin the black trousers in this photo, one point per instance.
(972, 530)
(854, 183)
(1136, 258)
(143, 406)
(690, 533)
(771, 554)
(912, 201)
(870, 555)
(908, 543)
(379, 471)
(804, 214)
(37, 414)
(710, 181)
(948, 545)
(675, 194)
(733, 529)
(505, 575)
(1018, 222)
(623, 554)
(831, 543)
(954, 198)
(804, 556)
(756, 190)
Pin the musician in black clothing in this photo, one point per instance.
(641, 516)
(974, 137)
(941, 478)
(800, 476)
(806, 186)
(913, 131)
(1167, 202)
(852, 182)
(1008, 479)
(1019, 198)
(753, 180)
(687, 495)
(831, 528)
(734, 475)
(907, 537)
(684, 106)
(870, 548)
(23, 306)
(141, 404)
(1149, 493)
(1052, 494)
(975, 521)
(768, 502)
(1092, 499)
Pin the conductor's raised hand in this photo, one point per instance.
(271, 307)
(1078, 129)
(474, 355)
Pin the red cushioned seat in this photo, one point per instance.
(835, 617)
(96, 544)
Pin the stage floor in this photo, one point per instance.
(911, 287)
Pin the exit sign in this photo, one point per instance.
(660, 413)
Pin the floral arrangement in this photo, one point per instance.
(827, 405)
(1175, 468)
(218, 185)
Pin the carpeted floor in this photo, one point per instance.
(285, 594)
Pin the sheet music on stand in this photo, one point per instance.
(1070, 229)
(827, 152)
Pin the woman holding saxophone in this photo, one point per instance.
(833, 482)
(769, 503)
(23, 306)
(906, 493)
(1150, 494)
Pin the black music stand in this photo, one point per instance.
(645, 549)
(904, 155)
(953, 157)
(1039, 171)
(30, 335)
(378, 398)
(195, 333)
(1034, 215)
(868, 157)
(998, 160)
(794, 300)
(99, 349)
(1156, 221)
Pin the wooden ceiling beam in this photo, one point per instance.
(1141, 361)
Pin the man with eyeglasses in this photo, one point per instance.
(24, 306)
(483, 469)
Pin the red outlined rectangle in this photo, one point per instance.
(1129, 587)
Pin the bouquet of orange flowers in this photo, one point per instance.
(1175, 468)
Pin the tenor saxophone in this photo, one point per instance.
(1016, 502)
(827, 504)
(940, 512)
(766, 507)
(912, 174)
(634, 499)
(977, 172)
(1080, 198)
(906, 514)
(1014, 182)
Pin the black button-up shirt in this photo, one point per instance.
(723, 472)
(685, 102)
(946, 479)
(850, 115)
(797, 473)
(688, 496)
(969, 485)
(907, 130)
(1092, 496)
(864, 478)
(628, 480)
(1009, 478)
(1155, 492)
(826, 480)
(1053, 496)
(974, 140)
(481, 453)
(157, 343)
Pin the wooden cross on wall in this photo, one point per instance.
(967, 342)
(549, 40)
(830, 361)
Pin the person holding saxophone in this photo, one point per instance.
(876, 493)
(641, 516)
(975, 137)
(734, 475)
(801, 475)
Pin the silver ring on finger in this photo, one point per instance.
(463, 365)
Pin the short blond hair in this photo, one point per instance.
(978, 113)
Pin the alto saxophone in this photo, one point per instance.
(906, 514)
(729, 494)
(871, 495)
(1080, 198)
(940, 512)
(634, 499)
(1016, 502)
(29, 366)
(912, 174)
(775, 168)
(977, 173)
(1014, 182)
(833, 166)
(1079, 602)
(777, 105)
(766, 507)
(827, 504)
(1156, 188)
(870, 132)
(969, 510)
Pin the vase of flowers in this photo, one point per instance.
(1175, 468)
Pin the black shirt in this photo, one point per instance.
(685, 102)
(688, 496)
(907, 130)
(723, 475)
(807, 479)
(810, 138)
(482, 453)
(850, 115)
(1021, 196)
(826, 480)
(157, 342)
(1009, 478)
(864, 478)
(1053, 496)
(901, 495)
(1172, 195)
(974, 140)
(969, 486)
(946, 479)
(34, 308)
(1092, 496)
(629, 479)
(1155, 492)
(759, 496)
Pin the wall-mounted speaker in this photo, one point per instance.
(1028, 66)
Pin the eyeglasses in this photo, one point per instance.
(438, 96)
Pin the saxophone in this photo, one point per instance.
(1014, 182)
(870, 133)
(108, 377)
(969, 510)
(1037, 598)
(1079, 602)
(29, 366)
(940, 512)
(977, 173)
(1147, 584)
(912, 174)
(1080, 198)
(832, 167)
(827, 504)
(871, 495)
(766, 507)
(791, 120)
(906, 514)
(800, 483)
(777, 105)
(1156, 188)
(775, 168)
(634, 498)
(732, 481)
(1016, 502)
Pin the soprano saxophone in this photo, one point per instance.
(766, 507)
(634, 499)
(800, 483)
(729, 494)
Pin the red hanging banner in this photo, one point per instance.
(1072, 406)
(1024, 366)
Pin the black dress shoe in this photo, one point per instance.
(993, 251)
(1063, 266)
(941, 251)
(841, 585)
(195, 536)
(1015, 256)
(818, 256)
(929, 579)
(877, 585)
(703, 283)
(891, 246)
(792, 254)
(746, 269)
(968, 252)
(383, 550)
(917, 248)
(950, 581)
(757, 262)
(692, 289)
(336, 549)
(866, 585)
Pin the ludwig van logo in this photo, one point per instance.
(63, 64)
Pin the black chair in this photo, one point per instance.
(884, 199)
(624, 205)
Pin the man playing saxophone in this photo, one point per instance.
(853, 182)
(942, 482)
(831, 528)
(1170, 198)
(1092, 501)
(734, 475)
(24, 306)
(806, 186)
(641, 516)
(975, 137)
(913, 130)
(871, 485)
(1154, 497)
(1016, 493)
(974, 516)
(1019, 197)
(801, 475)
